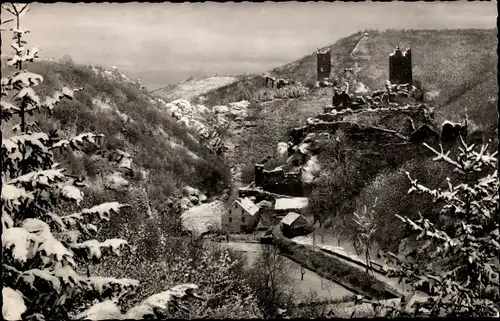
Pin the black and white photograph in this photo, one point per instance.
(251, 160)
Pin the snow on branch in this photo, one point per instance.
(102, 284)
(78, 142)
(40, 178)
(93, 248)
(101, 211)
(29, 55)
(22, 79)
(19, 241)
(13, 304)
(8, 110)
(51, 102)
(106, 310)
(161, 302)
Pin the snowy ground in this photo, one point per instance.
(198, 218)
(331, 244)
(325, 289)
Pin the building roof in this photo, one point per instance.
(290, 203)
(248, 205)
(290, 218)
(265, 203)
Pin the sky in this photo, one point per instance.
(163, 43)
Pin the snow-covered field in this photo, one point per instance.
(325, 289)
(348, 251)
(200, 217)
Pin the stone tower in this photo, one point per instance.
(400, 68)
(259, 175)
(324, 64)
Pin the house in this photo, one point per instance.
(241, 216)
(294, 224)
(285, 205)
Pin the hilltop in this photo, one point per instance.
(450, 64)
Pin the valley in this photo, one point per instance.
(263, 127)
(309, 190)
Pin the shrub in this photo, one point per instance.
(389, 190)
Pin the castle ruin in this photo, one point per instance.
(324, 64)
(400, 69)
(278, 181)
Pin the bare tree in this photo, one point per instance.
(269, 279)
(366, 227)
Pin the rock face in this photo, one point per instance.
(115, 181)
(235, 111)
(207, 122)
(400, 130)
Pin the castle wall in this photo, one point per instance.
(278, 182)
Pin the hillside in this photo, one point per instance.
(456, 69)
(153, 152)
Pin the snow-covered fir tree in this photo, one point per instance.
(43, 247)
(458, 265)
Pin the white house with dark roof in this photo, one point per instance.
(241, 216)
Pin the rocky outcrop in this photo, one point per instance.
(194, 117)
(191, 197)
(394, 95)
